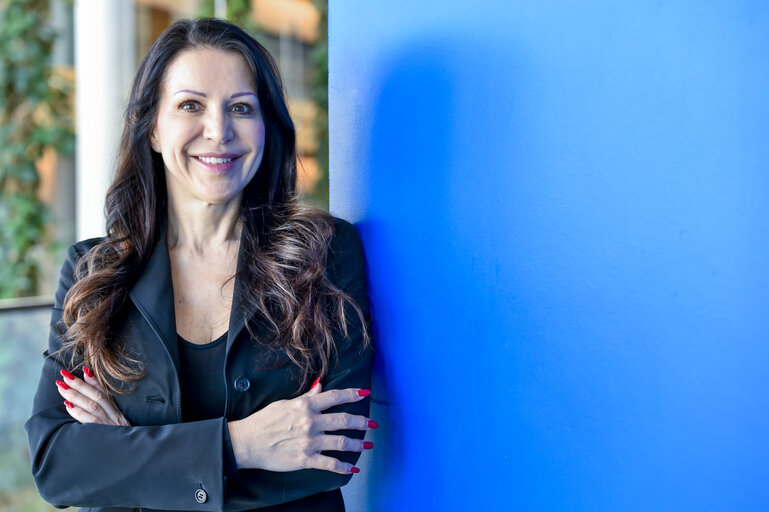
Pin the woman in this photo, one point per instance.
(184, 343)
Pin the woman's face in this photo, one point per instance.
(209, 127)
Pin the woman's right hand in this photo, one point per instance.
(288, 435)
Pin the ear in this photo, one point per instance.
(154, 141)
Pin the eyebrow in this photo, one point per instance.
(198, 93)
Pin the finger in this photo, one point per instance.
(95, 394)
(79, 414)
(115, 414)
(331, 464)
(342, 421)
(315, 388)
(342, 444)
(89, 378)
(323, 401)
(81, 401)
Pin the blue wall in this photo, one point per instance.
(565, 207)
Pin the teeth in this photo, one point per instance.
(214, 160)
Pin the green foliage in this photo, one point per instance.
(238, 12)
(35, 114)
(320, 96)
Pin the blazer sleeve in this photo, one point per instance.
(351, 369)
(158, 467)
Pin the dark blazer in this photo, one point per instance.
(161, 463)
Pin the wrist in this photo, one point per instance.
(238, 444)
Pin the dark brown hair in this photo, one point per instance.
(284, 277)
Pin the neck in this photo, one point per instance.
(197, 226)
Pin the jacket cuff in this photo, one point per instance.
(229, 463)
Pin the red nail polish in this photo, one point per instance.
(61, 384)
(372, 424)
(87, 371)
(364, 392)
(315, 383)
(67, 375)
(367, 445)
(354, 470)
(69, 404)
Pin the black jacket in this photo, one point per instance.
(160, 463)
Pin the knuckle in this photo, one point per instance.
(304, 423)
(302, 404)
(342, 444)
(345, 421)
(92, 407)
(305, 446)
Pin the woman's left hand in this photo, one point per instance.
(87, 402)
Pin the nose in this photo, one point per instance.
(218, 126)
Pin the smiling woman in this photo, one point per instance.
(183, 344)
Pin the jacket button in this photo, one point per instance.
(201, 496)
(242, 384)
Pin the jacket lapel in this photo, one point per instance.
(261, 351)
(153, 295)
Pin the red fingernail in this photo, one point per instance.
(372, 424)
(61, 384)
(315, 383)
(364, 392)
(367, 445)
(67, 375)
(69, 404)
(354, 470)
(87, 371)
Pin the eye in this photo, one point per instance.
(242, 108)
(189, 106)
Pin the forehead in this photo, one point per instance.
(208, 71)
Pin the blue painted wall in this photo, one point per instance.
(565, 207)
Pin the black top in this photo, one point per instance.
(201, 375)
(201, 372)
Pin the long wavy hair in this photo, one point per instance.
(286, 244)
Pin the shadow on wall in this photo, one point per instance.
(436, 204)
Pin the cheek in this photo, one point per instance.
(258, 134)
(171, 135)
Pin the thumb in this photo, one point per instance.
(316, 388)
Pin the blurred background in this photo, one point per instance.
(65, 73)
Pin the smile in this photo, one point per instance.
(217, 163)
(214, 160)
